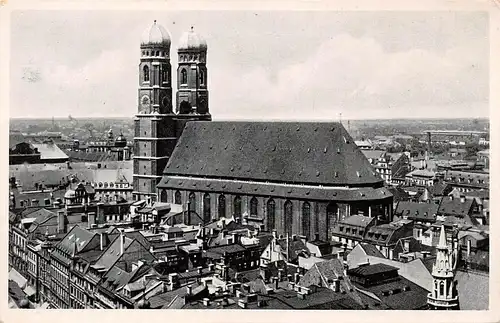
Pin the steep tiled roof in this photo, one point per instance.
(76, 237)
(455, 206)
(417, 211)
(358, 220)
(305, 152)
(473, 290)
(371, 250)
(374, 154)
(369, 270)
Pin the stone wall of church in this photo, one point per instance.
(321, 219)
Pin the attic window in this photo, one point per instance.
(308, 150)
(324, 150)
(317, 174)
(336, 174)
(338, 150)
(345, 139)
(298, 128)
(358, 173)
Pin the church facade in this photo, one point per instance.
(157, 125)
(293, 177)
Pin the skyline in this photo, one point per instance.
(266, 65)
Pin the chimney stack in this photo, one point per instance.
(61, 223)
(122, 242)
(189, 289)
(296, 278)
(336, 285)
(103, 240)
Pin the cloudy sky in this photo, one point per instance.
(262, 65)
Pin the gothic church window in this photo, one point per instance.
(271, 213)
(288, 217)
(237, 207)
(145, 71)
(254, 206)
(306, 218)
(222, 206)
(206, 208)
(183, 76)
(177, 198)
(192, 203)
(164, 76)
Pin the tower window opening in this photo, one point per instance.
(164, 76)
(202, 77)
(183, 76)
(145, 71)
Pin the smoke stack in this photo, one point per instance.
(61, 225)
(122, 242)
(103, 240)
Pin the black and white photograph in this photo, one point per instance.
(248, 160)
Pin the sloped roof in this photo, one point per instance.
(358, 220)
(473, 290)
(50, 151)
(373, 154)
(369, 270)
(305, 152)
(398, 193)
(454, 206)
(371, 250)
(417, 211)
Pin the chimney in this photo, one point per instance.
(122, 242)
(206, 301)
(199, 270)
(91, 220)
(281, 274)
(462, 199)
(275, 234)
(336, 285)
(189, 289)
(211, 267)
(242, 303)
(275, 280)
(296, 278)
(451, 197)
(173, 280)
(223, 223)
(235, 238)
(61, 225)
(104, 240)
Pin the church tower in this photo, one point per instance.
(192, 78)
(155, 130)
(444, 295)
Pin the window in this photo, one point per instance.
(202, 77)
(237, 206)
(164, 75)
(145, 72)
(253, 206)
(177, 198)
(183, 76)
(306, 218)
(192, 203)
(288, 217)
(222, 206)
(206, 208)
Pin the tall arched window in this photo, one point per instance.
(237, 207)
(306, 219)
(163, 196)
(202, 77)
(222, 206)
(271, 214)
(192, 206)
(164, 75)
(288, 217)
(184, 76)
(331, 216)
(253, 206)
(177, 197)
(206, 208)
(145, 71)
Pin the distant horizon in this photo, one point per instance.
(297, 65)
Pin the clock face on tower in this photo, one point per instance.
(144, 103)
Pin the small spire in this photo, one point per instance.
(442, 239)
(192, 28)
(155, 22)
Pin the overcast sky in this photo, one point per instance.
(261, 65)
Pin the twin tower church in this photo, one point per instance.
(293, 177)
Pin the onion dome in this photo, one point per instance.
(156, 35)
(192, 41)
(120, 141)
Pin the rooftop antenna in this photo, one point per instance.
(340, 117)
